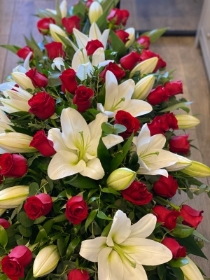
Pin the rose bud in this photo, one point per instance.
(4, 223)
(76, 209)
(22, 80)
(83, 98)
(46, 261)
(131, 123)
(54, 50)
(42, 144)
(191, 217)
(42, 105)
(197, 169)
(165, 216)
(13, 265)
(173, 88)
(95, 12)
(38, 79)
(157, 96)
(145, 67)
(78, 274)
(118, 17)
(43, 25)
(121, 178)
(68, 79)
(130, 60)
(177, 250)
(12, 197)
(71, 23)
(38, 205)
(143, 87)
(181, 163)
(165, 186)
(123, 35)
(186, 121)
(137, 193)
(191, 271)
(93, 45)
(115, 69)
(13, 165)
(55, 30)
(179, 144)
(146, 54)
(144, 41)
(23, 53)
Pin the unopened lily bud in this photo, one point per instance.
(95, 12)
(22, 80)
(197, 169)
(145, 67)
(181, 163)
(191, 271)
(14, 142)
(131, 37)
(186, 121)
(143, 87)
(121, 178)
(63, 8)
(12, 197)
(46, 261)
(55, 30)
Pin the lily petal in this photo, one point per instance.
(84, 70)
(153, 172)
(136, 107)
(81, 38)
(55, 136)
(91, 248)
(133, 273)
(94, 32)
(126, 89)
(111, 90)
(93, 169)
(144, 227)
(80, 57)
(104, 37)
(111, 140)
(98, 57)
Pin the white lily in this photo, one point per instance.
(22, 80)
(118, 97)
(152, 157)
(182, 162)
(55, 30)
(76, 146)
(122, 253)
(58, 62)
(131, 37)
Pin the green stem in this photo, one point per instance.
(167, 202)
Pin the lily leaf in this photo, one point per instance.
(181, 105)
(11, 48)
(117, 44)
(155, 34)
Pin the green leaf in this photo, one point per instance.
(24, 219)
(178, 273)
(179, 262)
(3, 237)
(161, 272)
(110, 190)
(199, 235)
(54, 80)
(106, 230)
(117, 160)
(181, 105)
(117, 44)
(155, 34)
(42, 235)
(3, 277)
(108, 128)
(61, 246)
(119, 128)
(182, 231)
(26, 232)
(33, 189)
(33, 45)
(103, 216)
(48, 14)
(90, 218)
(73, 244)
(29, 275)
(11, 48)
(81, 182)
(103, 155)
(79, 9)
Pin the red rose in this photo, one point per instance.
(68, 79)
(137, 193)
(123, 35)
(42, 105)
(165, 186)
(130, 60)
(191, 217)
(38, 79)
(165, 216)
(146, 54)
(118, 17)
(43, 25)
(4, 223)
(131, 123)
(161, 124)
(157, 95)
(144, 41)
(179, 144)
(82, 98)
(22, 53)
(173, 88)
(38, 205)
(42, 144)
(78, 274)
(22, 254)
(76, 209)
(70, 23)
(171, 120)
(92, 46)
(13, 165)
(54, 49)
(176, 249)
(115, 69)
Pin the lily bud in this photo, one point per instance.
(121, 178)
(12, 197)
(181, 163)
(145, 67)
(14, 142)
(46, 261)
(22, 80)
(55, 30)
(191, 271)
(143, 87)
(95, 11)
(63, 8)
(131, 37)
(197, 169)
(186, 121)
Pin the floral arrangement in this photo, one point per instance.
(92, 153)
